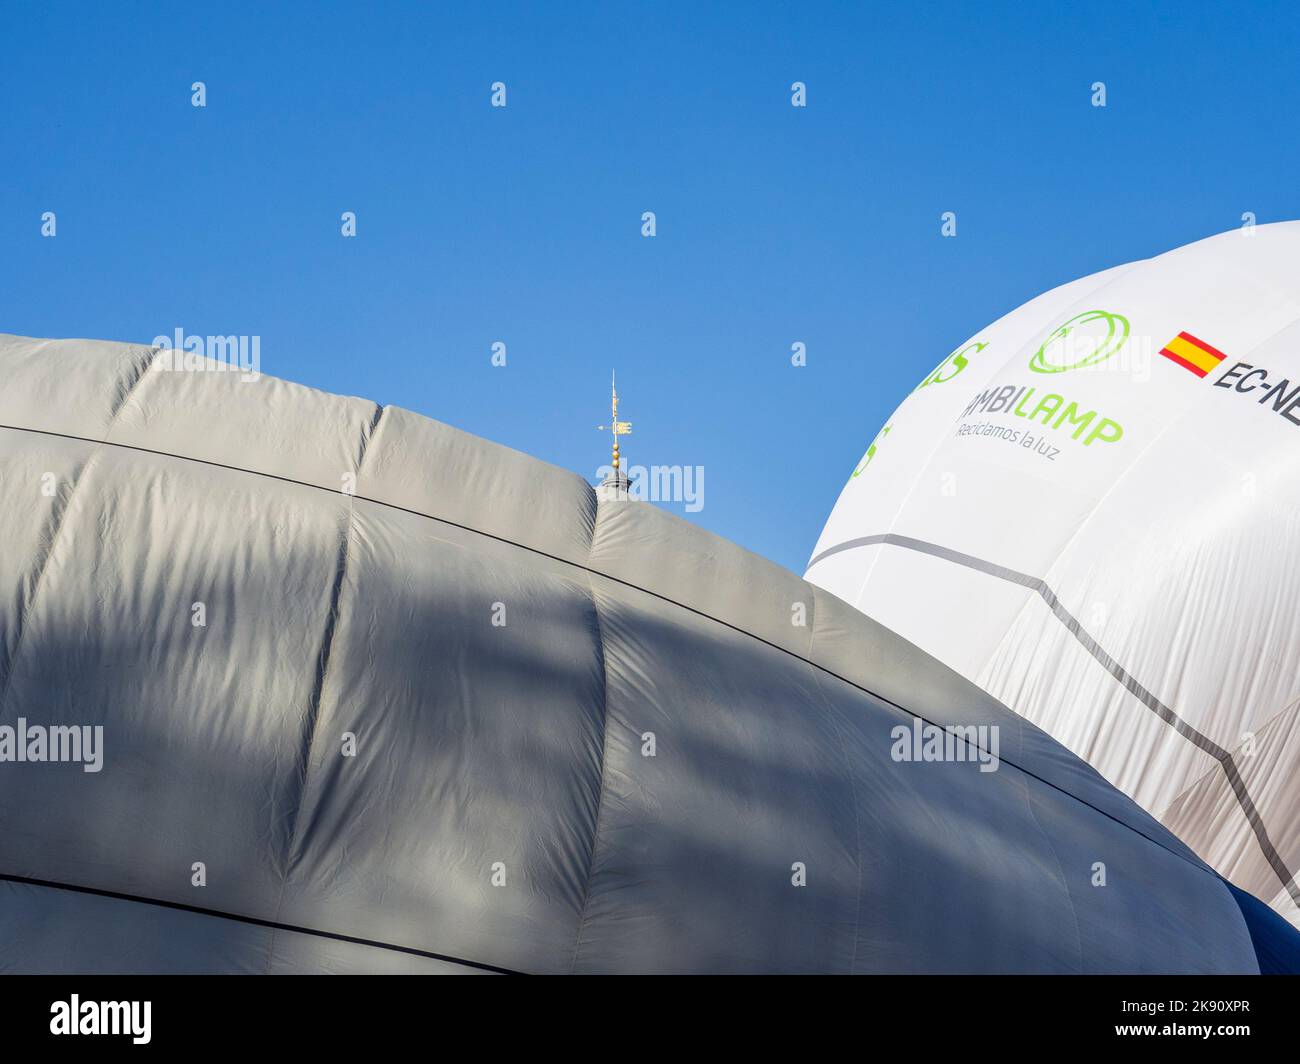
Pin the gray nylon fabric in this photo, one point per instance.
(133, 492)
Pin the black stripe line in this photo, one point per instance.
(255, 921)
(1034, 583)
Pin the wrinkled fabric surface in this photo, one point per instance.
(499, 652)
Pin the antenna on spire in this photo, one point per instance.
(617, 480)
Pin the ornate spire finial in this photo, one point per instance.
(617, 428)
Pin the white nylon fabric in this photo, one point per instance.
(1172, 546)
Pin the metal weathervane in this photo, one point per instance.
(617, 428)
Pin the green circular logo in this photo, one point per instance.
(1084, 340)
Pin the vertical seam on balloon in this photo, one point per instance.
(146, 364)
(312, 717)
(604, 756)
(368, 437)
(324, 657)
(1065, 884)
(59, 520)
(1230, 890)
(26, 610)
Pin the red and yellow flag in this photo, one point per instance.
(1191, 353)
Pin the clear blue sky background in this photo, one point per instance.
(477, 224)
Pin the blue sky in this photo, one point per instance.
(523, 224)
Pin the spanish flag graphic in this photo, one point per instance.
(1191, 353)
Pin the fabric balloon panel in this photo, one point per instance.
(1123, 452)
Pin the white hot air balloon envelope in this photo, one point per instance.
(1091, 509)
